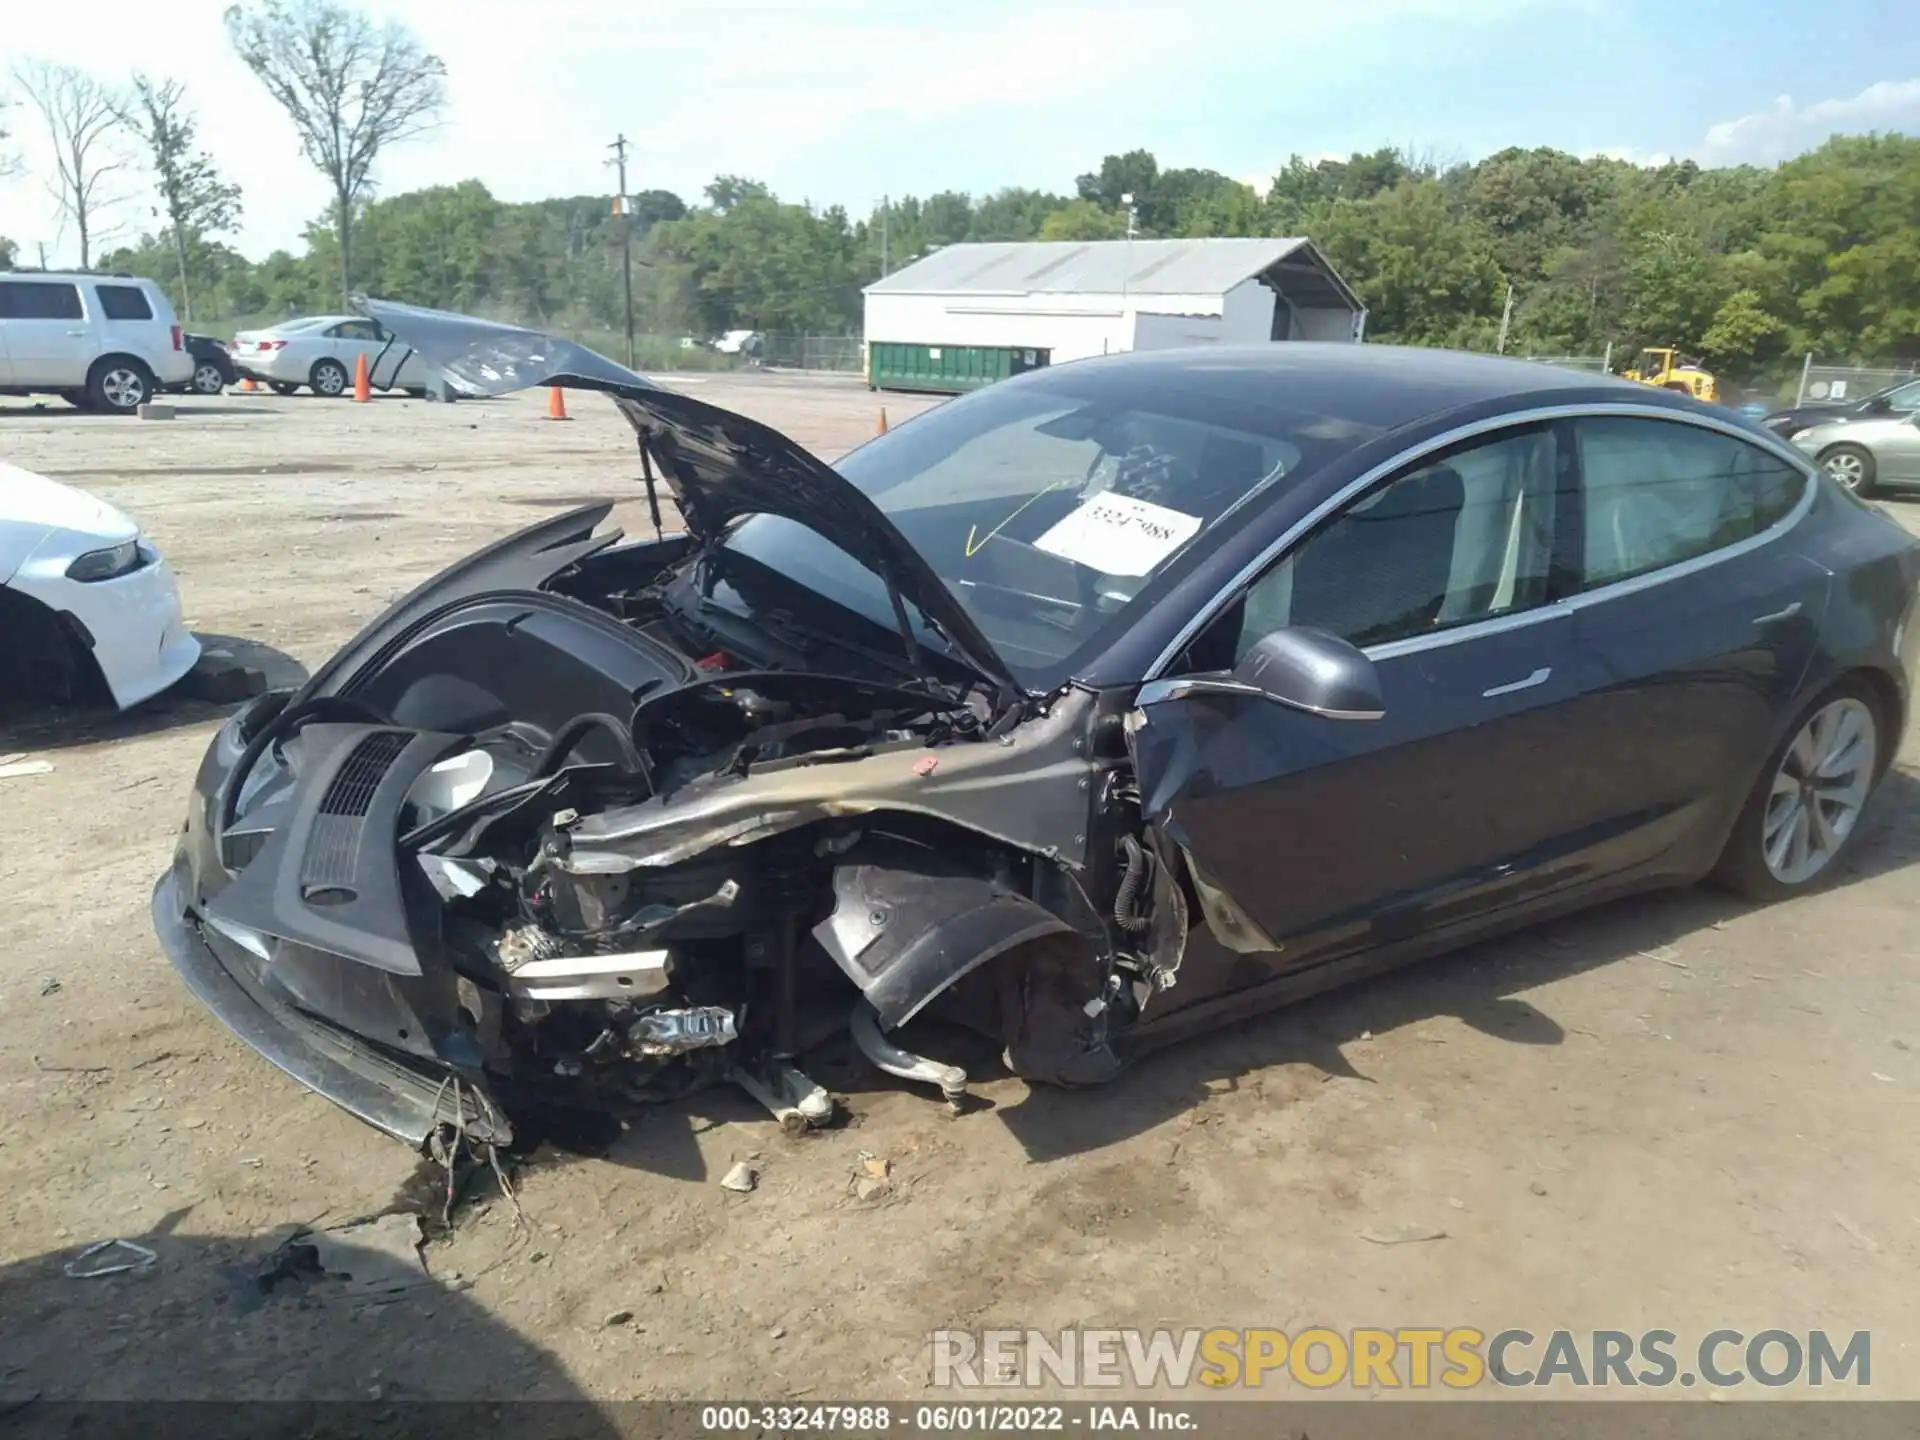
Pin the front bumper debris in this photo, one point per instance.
(405, 1103)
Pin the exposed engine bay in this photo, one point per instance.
(528, 843)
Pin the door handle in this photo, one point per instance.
(1778, 616)
(1538, 677)
(79, 334)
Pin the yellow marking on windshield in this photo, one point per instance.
(972, 549)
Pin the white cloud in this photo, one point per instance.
(1786, 128)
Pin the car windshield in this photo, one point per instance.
(1050, 507)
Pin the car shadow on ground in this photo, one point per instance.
(200, 697)
(1477, 985)
(101, 1356)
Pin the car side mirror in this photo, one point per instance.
(1879, 405)
(1302, 669)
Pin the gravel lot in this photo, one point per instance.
(1671, 1113)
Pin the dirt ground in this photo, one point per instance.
(1672, 1113)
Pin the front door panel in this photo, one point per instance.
(1332, 835)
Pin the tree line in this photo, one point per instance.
(1538, 251)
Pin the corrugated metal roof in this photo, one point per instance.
(1097, 267)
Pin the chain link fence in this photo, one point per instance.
(1597, 364)
(1833, 383)
(840, 353)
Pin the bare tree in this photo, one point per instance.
(9, 160)
(81, 116)
(351, 90)
(193, 197)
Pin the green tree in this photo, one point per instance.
(1742, 333)
(195, 201)
(1084, 220)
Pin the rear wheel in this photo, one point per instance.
(1806, 806)
(329, 378)
(1852, 466)
(119, 385)
(207, 379)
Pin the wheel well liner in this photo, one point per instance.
(907, 924)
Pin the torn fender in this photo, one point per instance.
(906, 925)
(1168, 761)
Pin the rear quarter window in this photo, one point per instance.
(123, 302)
(1660, 492)
(40, 300)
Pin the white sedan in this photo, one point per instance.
(88, 608)
(321, 351)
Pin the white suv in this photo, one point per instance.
(103, 341)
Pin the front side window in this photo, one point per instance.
(1660, 492)
(1466, 537)
(40, 300)
(123, 302)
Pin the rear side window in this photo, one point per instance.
(1660, 492)
(355, 330)
(123, 302)
(40, 300)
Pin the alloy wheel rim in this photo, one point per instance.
(1847, 469)
(123, 389)
(207, 380)
(330, 381)
(1819, 791)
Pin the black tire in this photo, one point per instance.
(207, 379)
(118, 385)
(329, 378)
(281, 387)
(1857, 463)
(1742, 867)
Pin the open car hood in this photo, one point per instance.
(719, 465)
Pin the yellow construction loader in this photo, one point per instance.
(1670, 370)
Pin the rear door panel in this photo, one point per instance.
(1682, 684)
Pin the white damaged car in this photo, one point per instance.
(88, 609)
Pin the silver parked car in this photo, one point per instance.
(322, 351)
(1864, 455)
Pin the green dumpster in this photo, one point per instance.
(946, 369)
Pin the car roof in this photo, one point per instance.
(76, 275)
(1380, 387)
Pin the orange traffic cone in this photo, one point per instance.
(362, 386)
(557, 404)
(881, 428)
(246, 384)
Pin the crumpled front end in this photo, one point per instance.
(516, 848)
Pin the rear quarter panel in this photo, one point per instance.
(1870, 622)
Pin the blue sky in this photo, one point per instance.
(842, 101)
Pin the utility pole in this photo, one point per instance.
(1506, 318)
(625, 204)
(886, 257)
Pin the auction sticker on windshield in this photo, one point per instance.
(1118, 535)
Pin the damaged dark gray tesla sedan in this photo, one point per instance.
(1086, 711)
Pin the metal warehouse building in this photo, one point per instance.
(970, 314)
